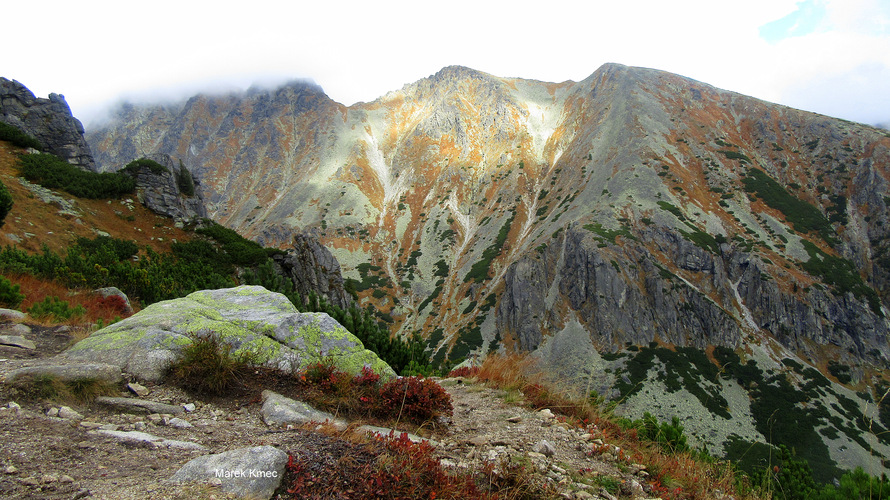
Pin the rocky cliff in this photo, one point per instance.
(636, 205)
(47, 120)
(162, 191)
(312, 268)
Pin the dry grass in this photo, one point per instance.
(37, 290)
(37, 223)
(680, 475)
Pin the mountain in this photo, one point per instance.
(485, 211)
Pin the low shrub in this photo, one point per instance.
(415, 398)
(79, 390)
(5, 203)
(9, 293)
(18, 138)
(208, 366)
(52, 172)
(134, 166)
(390, 467)
(54, 308)
(112, 304)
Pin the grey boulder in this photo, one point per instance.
(257, 323)
(246, 472)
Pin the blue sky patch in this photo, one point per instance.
(803, 21)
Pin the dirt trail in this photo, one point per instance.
(49, 457)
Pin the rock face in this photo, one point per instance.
(634, 204)
(47, 120)
(249, 318)
(161, 193)
(312, 268)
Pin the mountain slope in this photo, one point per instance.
(483, 210)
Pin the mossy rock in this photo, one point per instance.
(249, 318)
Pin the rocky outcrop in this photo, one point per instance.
(312, 268)
(254, 321)
(623, 293)
(47, 120)
(162, 193)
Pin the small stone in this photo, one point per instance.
(69, 414)
(30, 481)
(108, 427)
(138, 426)
(12, 405)
(545, 448)
(49, 478)
(91, 425)
(52, 412)
(478, 440)
(65, 478)
(179, 423)
(138, 389)
(189, 407)
(515, 419)
(10, 469)
(546, 414)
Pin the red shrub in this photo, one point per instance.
(414, 398)
(464, 371)
(114, 303)
(367, 378)
(408, 471)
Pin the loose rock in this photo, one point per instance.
(247, 472)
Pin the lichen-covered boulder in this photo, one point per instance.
(249, 318)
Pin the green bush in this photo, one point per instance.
(56, 309)
(133, 167)
(208, 366)
(54, 173)
(17, 137)
(185, 181)
(9, 293)
(669, 436)
(5, 203)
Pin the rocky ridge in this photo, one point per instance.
(487, 212)
(48, 120)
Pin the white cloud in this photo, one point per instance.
(97, 51)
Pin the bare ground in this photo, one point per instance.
(43, 457)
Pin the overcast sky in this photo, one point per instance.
(827, 56)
